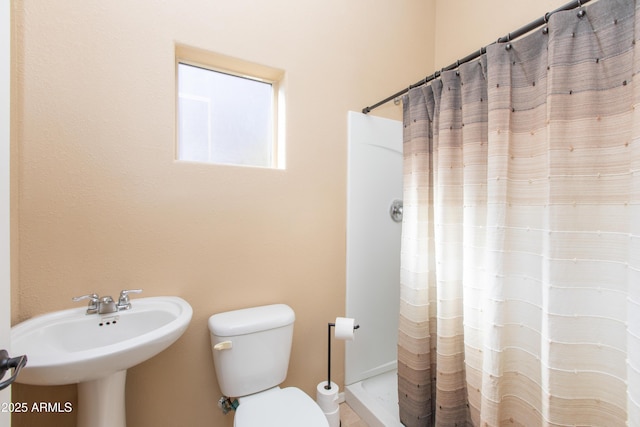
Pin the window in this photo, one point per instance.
(228, 111)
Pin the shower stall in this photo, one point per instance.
(374, 211)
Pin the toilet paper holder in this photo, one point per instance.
(329, 326)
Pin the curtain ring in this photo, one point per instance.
(581, 13)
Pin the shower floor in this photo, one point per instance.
(375, 399)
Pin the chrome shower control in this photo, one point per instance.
(395, 210)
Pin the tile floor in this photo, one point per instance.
(348, 418)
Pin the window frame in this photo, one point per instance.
(239, 68)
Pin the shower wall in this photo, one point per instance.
(374, 181)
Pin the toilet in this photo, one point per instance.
(251, 349)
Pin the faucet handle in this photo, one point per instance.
(92, 297)
(123, 301)
(93, 303)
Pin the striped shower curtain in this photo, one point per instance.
(520, 277)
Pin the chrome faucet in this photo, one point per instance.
(107, 304)
(94, 301)
(123, 301)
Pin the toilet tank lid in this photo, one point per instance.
(250, 320)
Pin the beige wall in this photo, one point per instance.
(100, 204)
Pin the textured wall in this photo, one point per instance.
(101, 204)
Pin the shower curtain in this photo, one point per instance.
(520, 276)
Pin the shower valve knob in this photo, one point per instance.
(395, 210)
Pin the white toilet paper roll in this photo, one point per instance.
(344, 328)
(333, 418)
(327, 398)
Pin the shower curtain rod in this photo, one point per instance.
(511, 36)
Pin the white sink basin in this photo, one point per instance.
(95, 351)
(69, 346)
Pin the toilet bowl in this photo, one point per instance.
(251, 349)
(279, 407)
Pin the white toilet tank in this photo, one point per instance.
(251, 348)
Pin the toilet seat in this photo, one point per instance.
(279, 407)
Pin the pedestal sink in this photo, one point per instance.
(95, 351)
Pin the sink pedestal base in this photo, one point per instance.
(101, 402)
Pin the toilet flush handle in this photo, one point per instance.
(224, 345)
